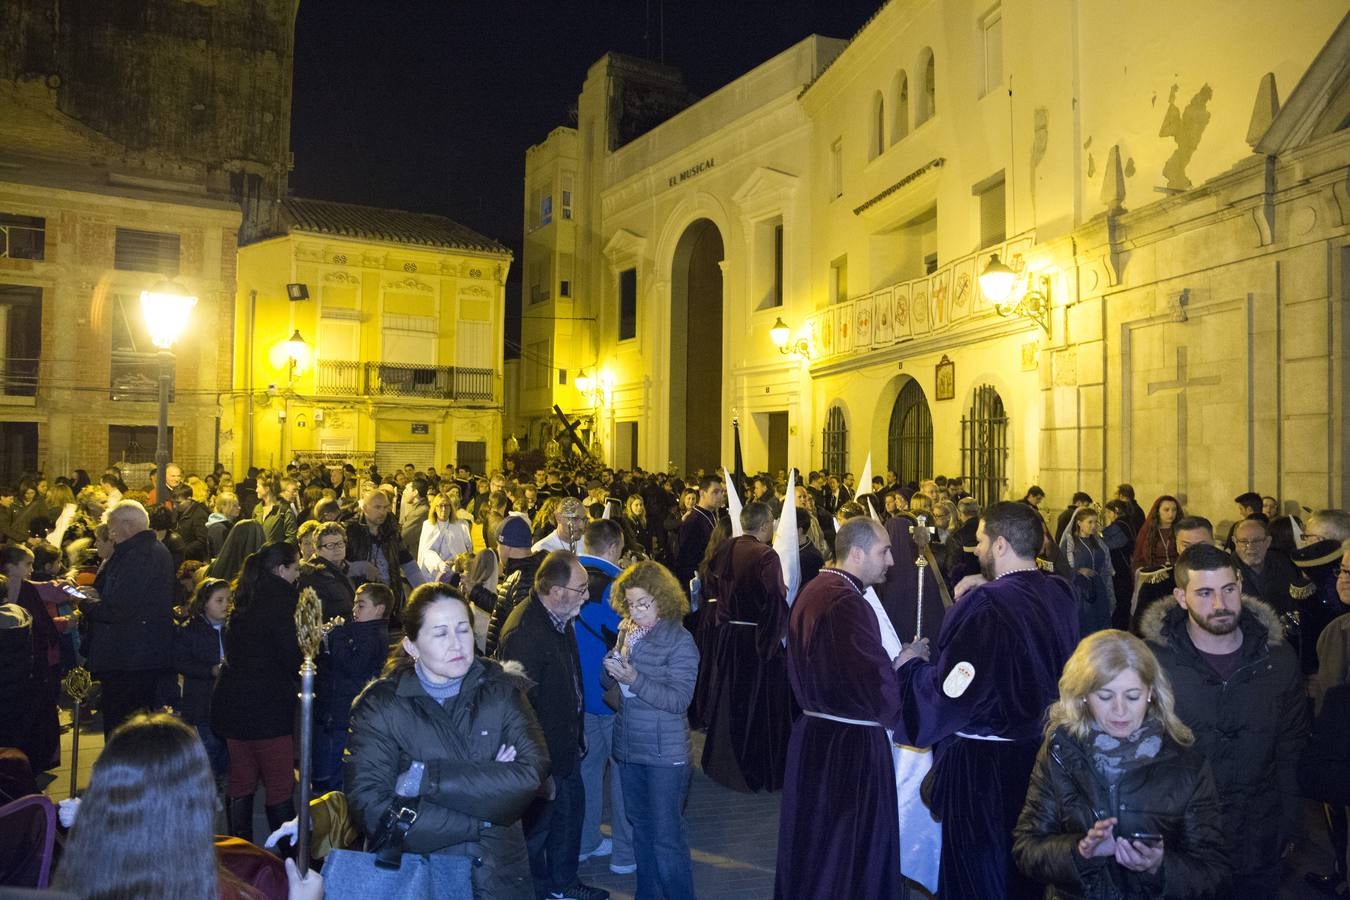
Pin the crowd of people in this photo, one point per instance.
(978, 701)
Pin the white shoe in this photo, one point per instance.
(623, 870)
(604, 848)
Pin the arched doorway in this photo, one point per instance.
(696, 418)
(910, 437)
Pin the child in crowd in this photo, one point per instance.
(198, 649)
(353, 654)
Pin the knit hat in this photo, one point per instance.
(515, 532)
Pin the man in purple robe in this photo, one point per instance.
(748, 710)
(839, 830)
(981, 700)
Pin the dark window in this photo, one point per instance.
(777, 265)
(147, 251)
(984, 446)
(21, 341)
(472, 454)
(134, 444)
(22, 237)
(910, 435)
(135, 365)
(627, 304)
(835, 441)
(565, 288)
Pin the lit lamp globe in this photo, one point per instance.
(996, 281)
(780, 333)
(166, 308)
(584, 382)
(297, 351)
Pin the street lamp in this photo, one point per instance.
(165, 307)
(297, 353)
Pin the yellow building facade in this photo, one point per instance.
(399, 319)
(1167, 201)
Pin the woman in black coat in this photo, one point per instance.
(467, 722)
(1120, 804)
(253, 706)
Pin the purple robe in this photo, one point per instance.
(1010, 638)
(839, 831)
(748, 708)
(899, 592)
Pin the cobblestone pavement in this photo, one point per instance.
(733, 837)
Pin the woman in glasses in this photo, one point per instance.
(326, 571)
(654, 666)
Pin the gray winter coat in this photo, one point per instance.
(650, 728)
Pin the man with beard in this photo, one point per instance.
(697, 527)
(1238, 687)
(839, 832)
(980, 702)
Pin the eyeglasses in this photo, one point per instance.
(1253, 542)
(584, 589)
(332, 545)
(642, 605)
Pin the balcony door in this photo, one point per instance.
(21, 339)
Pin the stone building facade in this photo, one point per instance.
(140, 141)
(1172, 205)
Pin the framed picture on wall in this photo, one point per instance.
(945, 379)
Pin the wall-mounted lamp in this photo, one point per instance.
(998, 282)
(297, 291)
(595, 388)
(782, 339)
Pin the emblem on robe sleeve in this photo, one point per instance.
(958, 679)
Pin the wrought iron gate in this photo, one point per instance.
(910, 436)
(834, 441)
(984, 446)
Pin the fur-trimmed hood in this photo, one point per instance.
(1163, 617)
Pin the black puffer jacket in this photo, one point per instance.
(336, 591)
(1173, 795)
(514, 587)
(1251, 727)
(467, 797)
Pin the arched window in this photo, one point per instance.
(834, 441)
(900, 110)
(928, 95)
(877, 145)
(984, 446)
(910, 437)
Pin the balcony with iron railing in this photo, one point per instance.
(18, 377)
(344, 378)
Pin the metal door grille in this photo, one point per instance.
(984, 446)
(911, 435)
(834, 440)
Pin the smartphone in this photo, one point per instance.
(1146, 838)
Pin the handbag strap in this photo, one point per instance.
(395, 824)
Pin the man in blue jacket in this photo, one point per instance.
(597, 629)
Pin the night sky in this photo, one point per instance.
(429, 105)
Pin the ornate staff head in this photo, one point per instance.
(77, 684)
(310, 628)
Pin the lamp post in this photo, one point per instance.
(296, 354)
(165, 307)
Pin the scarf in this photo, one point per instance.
(1113, 757)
